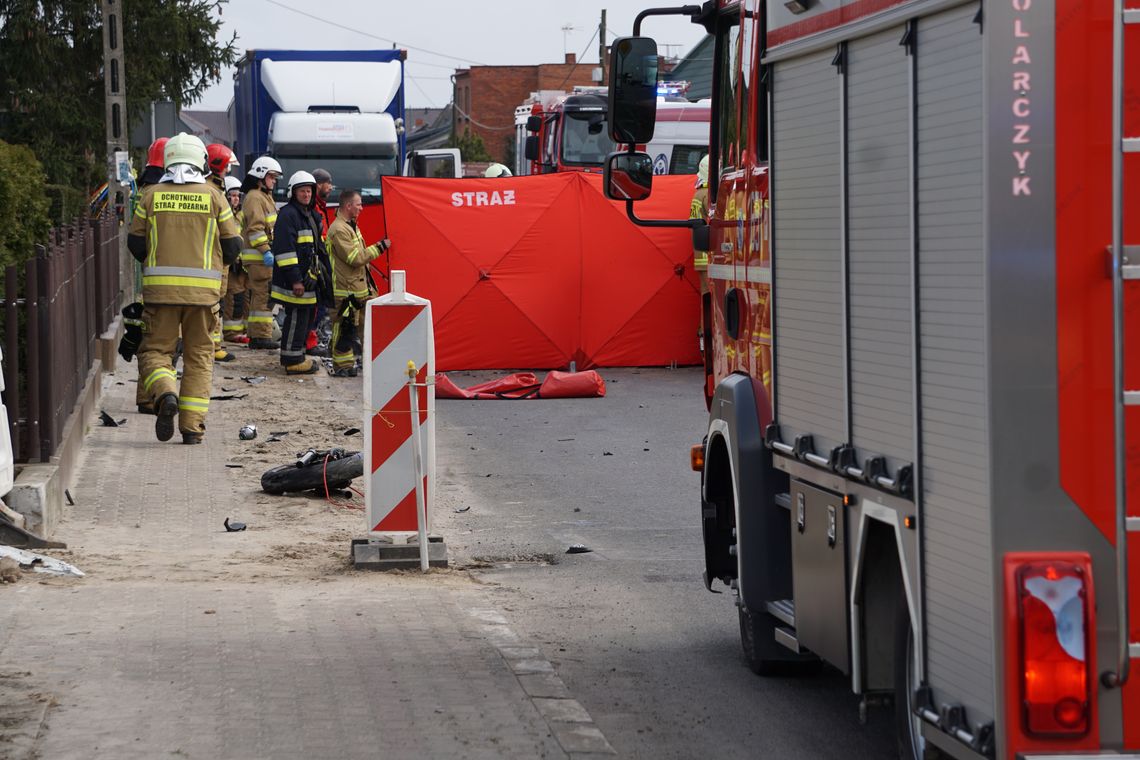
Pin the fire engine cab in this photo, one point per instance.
(568, 132)
(922, 457)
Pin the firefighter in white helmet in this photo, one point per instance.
(260, 214)
(301, 271)
(236, 299)
(494, 171)
(174, 222)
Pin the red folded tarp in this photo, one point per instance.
(541, 271)
(523, 385)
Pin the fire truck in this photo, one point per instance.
(922, 458)
(558, 132)
(567, 131)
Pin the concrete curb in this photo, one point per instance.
(567, 719)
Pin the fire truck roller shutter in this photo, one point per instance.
(955, 476)
(808, 289)
(880, 249)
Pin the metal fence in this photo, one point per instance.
(55, 308)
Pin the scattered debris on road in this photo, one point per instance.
(352, 431)
(39, 563)
(229, 397)
(109, 421)
(461, 510)
(9, 570)
(579, 549)
(255, 379)
(248, 432)
(233, 527)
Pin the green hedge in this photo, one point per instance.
(24, 217)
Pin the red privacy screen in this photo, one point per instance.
(540, 271)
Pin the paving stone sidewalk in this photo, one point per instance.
(186, 641)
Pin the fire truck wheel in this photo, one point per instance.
(764, 655)
(907, 725)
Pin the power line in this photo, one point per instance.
(421, 89)
(577, 60)
(369, 34)
(467, 116)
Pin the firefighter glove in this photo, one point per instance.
(267, 258)
(132, 332)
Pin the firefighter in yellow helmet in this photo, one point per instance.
(183, 232)
(349, 257)
(699, 209)
(260, 214)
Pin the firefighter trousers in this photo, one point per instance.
(259, 318)
(234, 304)
(295, 332)
(162, 325)
(343, 356)
(216, 332)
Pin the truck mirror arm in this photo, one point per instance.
(695, 12)
(699, 227)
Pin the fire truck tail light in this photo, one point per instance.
(1052, 619)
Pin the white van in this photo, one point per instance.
(681, 137)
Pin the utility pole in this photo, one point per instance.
(602, 46)
(115, 93)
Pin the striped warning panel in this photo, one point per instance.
(398, 329)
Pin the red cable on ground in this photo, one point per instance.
(328, 494)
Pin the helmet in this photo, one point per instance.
(233, 183)
(265, 165)
(221, 159)
(155, 153)
(497, 170)
(300, 179)
(184, 149)
(703, 172)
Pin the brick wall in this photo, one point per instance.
(486, 97)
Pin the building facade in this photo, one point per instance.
(485, 97)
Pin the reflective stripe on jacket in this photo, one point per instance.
(349, 258)
(183, 226)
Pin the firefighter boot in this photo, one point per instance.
(167, 410)
(306, 367)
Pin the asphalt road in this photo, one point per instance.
(651, 654)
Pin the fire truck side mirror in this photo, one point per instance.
(632, 101)
(530, 147)
(628, 176)
(533, 123)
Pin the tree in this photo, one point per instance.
(51, 72)
(471, 147)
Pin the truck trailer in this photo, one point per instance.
(341, 110)
(922, 457)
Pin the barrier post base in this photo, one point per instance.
(381, 554)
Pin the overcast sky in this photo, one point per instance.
(494, 32)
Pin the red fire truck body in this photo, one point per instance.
(923, 453)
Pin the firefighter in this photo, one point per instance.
(220, 160)
(349, 258)
(260, 214)
(321, 206)
(234, 302)
(174, 223)
(494, 171)
(151, 174)
(301, 271)
(699, 209)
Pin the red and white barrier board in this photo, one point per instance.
(398, 329)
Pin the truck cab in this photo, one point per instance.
(568, 133)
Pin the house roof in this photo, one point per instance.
(696, 69)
